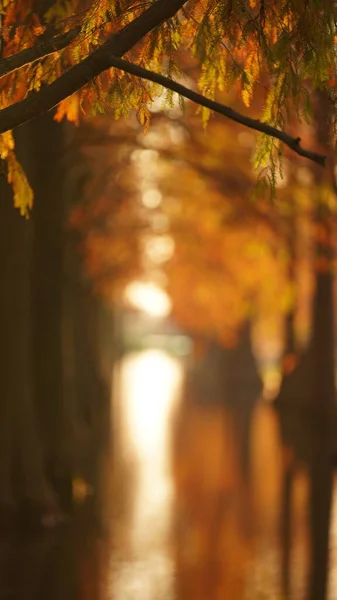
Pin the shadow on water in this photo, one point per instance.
(306, 406)
(308, 436)
(65, 563)
(229, 377)
(281, 503)
(213, 473)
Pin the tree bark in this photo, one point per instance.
(324, 392)
(88, 348)
(47, 175)
(22, 477)
(306, 402)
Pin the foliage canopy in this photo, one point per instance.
(175, 207)
(68, 55)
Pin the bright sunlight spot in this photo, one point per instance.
(150, 384)
(151, 380)
(152, 198)
(148, 298)
(159, 248)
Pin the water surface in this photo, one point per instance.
(181, 519)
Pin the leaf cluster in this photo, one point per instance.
(287, 47)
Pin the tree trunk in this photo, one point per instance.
(88, 345)
(47, 175)
(306, 401)
(22, 477)
(323, 395)
(242, 388)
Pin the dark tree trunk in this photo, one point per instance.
(53, 392)
(88, 344)
(22, 479)
(242, 388)
(290, 357)
(306, 401)
(43, 163)
(48, 176)
(323, 394)
(230, 376)
(307, 414)
(89, 387)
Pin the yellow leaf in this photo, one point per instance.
(69, 109)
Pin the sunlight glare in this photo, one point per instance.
(149, 392)
(148, 298)
(152, 198)
(150, 387)
(159, 248)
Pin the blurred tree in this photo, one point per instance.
(23, 478)
(307, 397)
(55, 398)
(225, 254)
(43, 415)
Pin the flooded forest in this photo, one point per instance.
(168, 410)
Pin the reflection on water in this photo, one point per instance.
(142, 564)
(65, 564)
(185, 520)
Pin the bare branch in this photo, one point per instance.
(52, 94)
(42, 48)
(292, 143)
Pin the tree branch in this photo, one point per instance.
(118, 44)
(292, 143)
(107, 56)
(42, 48)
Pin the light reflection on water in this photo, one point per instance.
(332, 587)
(142, 564)
(184, 523)
(181, 530)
